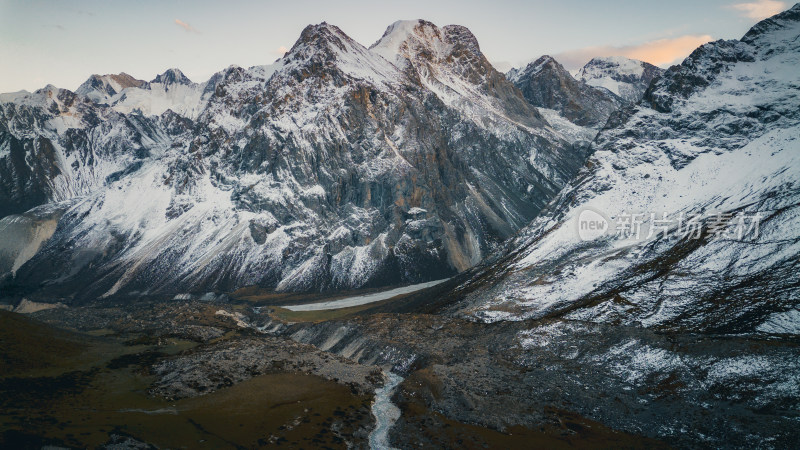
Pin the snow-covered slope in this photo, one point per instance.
(714, 140)
(335, 167)
(625, 77)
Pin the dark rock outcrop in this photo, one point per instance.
(547, 84)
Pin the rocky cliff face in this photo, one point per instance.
(547, 84)
(336, 167)
(580, 106)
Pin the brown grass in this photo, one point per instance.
(69, 389)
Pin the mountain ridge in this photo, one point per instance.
(301, 175)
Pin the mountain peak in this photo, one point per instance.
(320, 36)
(449, 61)
(543, 61)
(324, 51)
(545, 83)
(402, 37)
(540, 64)
(408, 39)
(616, 67)
(321, 44)
(118, 81)
(625, 77)
(788, 18)
(100, 88)
(172, 76)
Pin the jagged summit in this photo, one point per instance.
(321, 41)
(172, 76)
(418, 42)
(118, 81)
(540, 64)
(518, 75)
(100, 88)
(545, 83)
(49, 89)
(321, 35)
(324, 51)
(448, 61)
(395, 40)
(621, 64)
(410, 39)
(780, 22)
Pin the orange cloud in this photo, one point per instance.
(185, 26)
(759, 9)
(666, 51)
(661, 52)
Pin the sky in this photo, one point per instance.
(64, 42)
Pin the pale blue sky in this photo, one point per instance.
(63, 42)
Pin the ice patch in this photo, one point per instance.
(363, 299)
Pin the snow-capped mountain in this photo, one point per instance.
(171, 90)
(101, 88)
(580, 105)
(627, 78)
(715, 136)
(336, 167)
(448, 61)
(56, 145)
(547, 84)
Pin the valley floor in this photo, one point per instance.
(203, 375)
(245, 374)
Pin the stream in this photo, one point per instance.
(385, 412)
